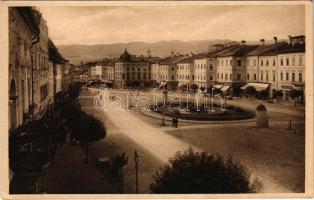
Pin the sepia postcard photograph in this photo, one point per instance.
(156, 99)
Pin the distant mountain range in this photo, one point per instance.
(85, 53)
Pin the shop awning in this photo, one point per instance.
(225, 88)
(218, 86)
(258, 86)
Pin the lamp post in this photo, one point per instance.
(212, 97)
(136, 160)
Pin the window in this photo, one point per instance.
(248, 76)
(221, 76)
(226, 76)
(43, 92)
(274, 77)
(230, 77)
(274, 62)
(266, 77)
(293, 61)
(218, 76)
(287, 61)
(281, 76)
(287, 76)
(266, 62)
(172, 70)
(293, 77)
(211, 78)
(255, 77)
(238, 76)
(239, 63)
(262, 77)
(261, 62)
(300, 77)
(281, 62)
(210, 66)
(300, 60)
(230, 62)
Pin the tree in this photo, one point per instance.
(194, 87)
(193, 172)
(294, 94)
(250, 91)
(87, 130)
(74, 90)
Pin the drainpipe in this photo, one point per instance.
(35, 40)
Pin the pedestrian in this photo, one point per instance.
(176, 122)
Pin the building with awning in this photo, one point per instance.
(218, 86)
(258, 86)
(225, 88)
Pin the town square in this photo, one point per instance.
(157, 100)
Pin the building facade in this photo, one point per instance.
(23, 34)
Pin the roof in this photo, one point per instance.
(239, 50)
(265, 49)
(172, 60)
(275, 49)
(187, 60)
(54, 54)
(125, 56)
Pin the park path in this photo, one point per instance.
(164, 146)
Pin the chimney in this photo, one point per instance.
(261, 42)
(275, 40)
(172, 53)
(290, 39)
(243, 42)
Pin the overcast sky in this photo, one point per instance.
(103, 25)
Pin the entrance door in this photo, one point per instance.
(12, 106)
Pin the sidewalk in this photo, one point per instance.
(70, 175)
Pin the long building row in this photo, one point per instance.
(275, 66)
(37, 71)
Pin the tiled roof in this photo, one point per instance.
(265, 49)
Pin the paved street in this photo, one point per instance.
(268, 153)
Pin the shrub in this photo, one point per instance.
(192, 172)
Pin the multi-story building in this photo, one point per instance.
(168, 70)
(58, 63)
(23, 34)
(231, 67)
(41, 72)
(277, 67)
(291, 66)
(133, 71)
(185, 73)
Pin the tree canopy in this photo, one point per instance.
(193, 172)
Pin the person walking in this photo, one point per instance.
(176, 122)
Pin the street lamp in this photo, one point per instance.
(136, 160)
